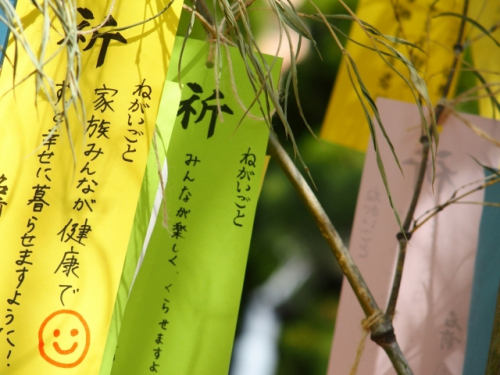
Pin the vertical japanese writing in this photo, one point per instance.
(450, 332)
(243, 185)
(142, 96)
(370, 203)
(98, 129)
(179, 234)
(3, 192)
(443, 173)
(36, 203)
(74, 233)
(158, 341)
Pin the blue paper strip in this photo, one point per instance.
(484, 286)
(4, 33)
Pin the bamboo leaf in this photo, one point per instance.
(489, 169)
(418, 84)
(348, 37)
(295, 80)
(374, 108)
(380, 163)
(290, 17)
(472, 22)
(421, 88)
(396, 40)
(492, 97)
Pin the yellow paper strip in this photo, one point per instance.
(485, 53)
(345, 122)
(66, 225)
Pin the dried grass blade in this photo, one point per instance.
(295, 80)
(472, 22)
(475, 129)
(380, 163)
(374, 108)
(491, 95)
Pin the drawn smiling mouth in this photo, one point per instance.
(63, 351)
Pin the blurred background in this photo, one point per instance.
(292, 281)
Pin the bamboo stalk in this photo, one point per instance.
(382, 331)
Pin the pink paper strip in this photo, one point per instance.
(433, 306)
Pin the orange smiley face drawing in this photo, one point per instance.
(64, 339)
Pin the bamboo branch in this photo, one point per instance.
(382, 331)
(206, 14)
(404, 237)
(209, 28)
(453, 200)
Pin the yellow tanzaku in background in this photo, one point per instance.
(345, 122)
(485, 52)
(73, 189)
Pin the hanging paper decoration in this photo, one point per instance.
(345, 122)
(182, 312)
(71, 190)
(431, 319)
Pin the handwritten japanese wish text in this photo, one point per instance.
(68, 193)
(4, 188)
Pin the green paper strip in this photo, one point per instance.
(182, 312)
(145, 214)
